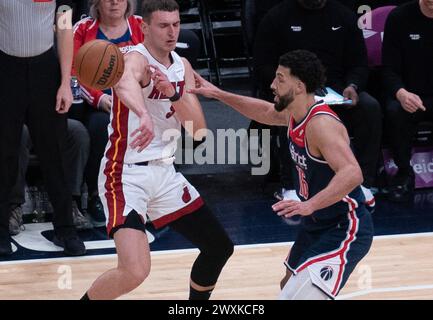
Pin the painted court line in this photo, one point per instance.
(384, 290)
(186, 251)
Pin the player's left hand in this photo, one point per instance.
(203, 87)
(350, 93)
(64, 98)
(290, 208)
(160, 81)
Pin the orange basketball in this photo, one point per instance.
(99, 64)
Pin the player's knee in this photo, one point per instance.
(222, 250)
(219, 245)
(134, 276)
(226, 249)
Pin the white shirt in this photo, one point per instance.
(26, 26)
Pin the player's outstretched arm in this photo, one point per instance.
(328, 139)
(128, 89)
(255, 109)
(189, 108)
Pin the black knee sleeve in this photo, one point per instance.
(204, 230)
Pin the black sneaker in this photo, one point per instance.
(5, 246)
(400, 193)
(72, 245)
(403, 187)
(96, 211)
(16, 224)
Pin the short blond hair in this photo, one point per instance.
(94, 12)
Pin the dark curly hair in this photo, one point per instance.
(306, 66)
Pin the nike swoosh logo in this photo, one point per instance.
(336, 28)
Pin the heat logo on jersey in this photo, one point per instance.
(157, 95)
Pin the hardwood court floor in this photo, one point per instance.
(397, 267)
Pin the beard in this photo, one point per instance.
(312, 4)
(284, 101)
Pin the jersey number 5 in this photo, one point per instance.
(303, 185)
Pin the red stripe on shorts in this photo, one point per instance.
(114, 166)
(190, 208)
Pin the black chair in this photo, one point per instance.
(222, 21)
(249, 28)
(192, 20)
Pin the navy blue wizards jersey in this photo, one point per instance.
(314, 174)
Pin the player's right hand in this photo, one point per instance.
(203, 87)
(144, 134)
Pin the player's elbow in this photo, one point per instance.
(357, 177)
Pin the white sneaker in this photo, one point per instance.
(290, 195)
(370, 201)
(286, 194)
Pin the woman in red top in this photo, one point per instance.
(111, 20)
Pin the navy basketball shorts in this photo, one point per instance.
(330, 255)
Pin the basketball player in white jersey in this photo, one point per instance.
(137, 178)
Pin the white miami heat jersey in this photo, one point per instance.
(167, 128)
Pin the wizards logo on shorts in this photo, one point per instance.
(326, 273)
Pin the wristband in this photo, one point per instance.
(175, 97)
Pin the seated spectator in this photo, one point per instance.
(77, 152)
(408, 76)
(113, 21)
(330, 30)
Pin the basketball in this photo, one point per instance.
(99, 64)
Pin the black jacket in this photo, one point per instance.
(332, 33)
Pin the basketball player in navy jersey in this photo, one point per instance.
(137, 177)
(337, 230)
